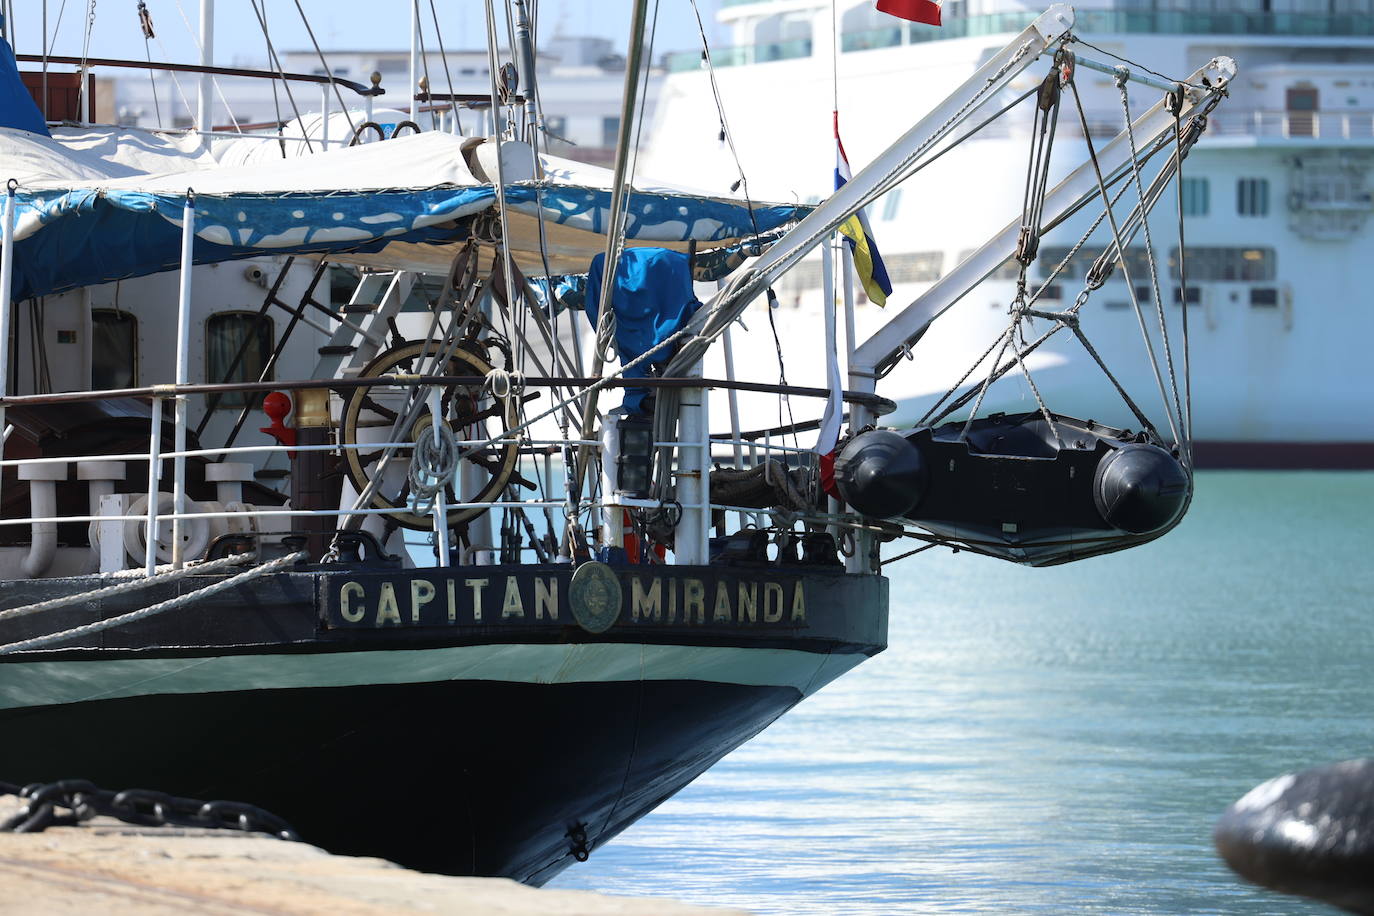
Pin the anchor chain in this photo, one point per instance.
(70, 802)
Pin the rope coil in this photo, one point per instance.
(432, 466)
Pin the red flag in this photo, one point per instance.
(927, 11)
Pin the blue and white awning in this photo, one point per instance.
(96, 205)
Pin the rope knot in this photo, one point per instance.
(502, 383)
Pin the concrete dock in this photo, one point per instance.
(109, 867)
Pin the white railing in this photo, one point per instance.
(550, 512)
(1294, 125)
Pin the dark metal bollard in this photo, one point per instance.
(1308, 833)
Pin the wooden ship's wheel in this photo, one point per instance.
(371, 414)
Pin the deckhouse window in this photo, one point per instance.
(1196, 194)
(114, 349)
(227, 334)
(1252, 197)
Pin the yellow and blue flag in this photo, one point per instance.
(868, 262)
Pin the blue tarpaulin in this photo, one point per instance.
(652, 299)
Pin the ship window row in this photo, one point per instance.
(1206, 263)
(1137, 261)
(1244, 264)
(238, 347)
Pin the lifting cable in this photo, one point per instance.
(1136, 220)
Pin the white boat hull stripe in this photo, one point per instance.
(46, 683)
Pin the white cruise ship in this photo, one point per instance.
(1278, 193)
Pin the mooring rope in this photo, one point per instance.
(153, 609)
(133, 585)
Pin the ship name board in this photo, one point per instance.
(413, 600)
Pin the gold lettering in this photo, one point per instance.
(799, 603)
(722, 611)
(388, 611)
(421, 593)
(476, 585)
(512, 606)
(346, 606)
(693, 597)
(646, 605)
(772, 602)
(749, 602)
(546, 598)
(672, 601)
(452, 601)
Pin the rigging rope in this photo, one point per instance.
(145, 22)
(169, 574)
(214, 81)
(329, 75)
(1184, 304)
(443, 58)
(1136, 220)
(1121, 79)
(1125, 267)
(424, 63)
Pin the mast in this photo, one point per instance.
(204, 98)
(613, 241)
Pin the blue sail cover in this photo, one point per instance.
(652, 299)
(17, 108)
(379, 204)
(87, 237)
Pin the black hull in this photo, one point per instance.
(465, 749)
(476, 778)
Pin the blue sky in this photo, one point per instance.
(340, 24)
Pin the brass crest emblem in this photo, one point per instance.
(595, 597)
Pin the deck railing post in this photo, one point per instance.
(436, 412)
(324, 117)
(154, 473)
(188, 235)
(6, 291)
(612, 512)
(693, 483)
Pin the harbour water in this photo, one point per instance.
(1050, 741)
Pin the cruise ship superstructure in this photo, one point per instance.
(1278, 195)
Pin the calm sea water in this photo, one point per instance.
(1050, 741)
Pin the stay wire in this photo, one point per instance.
(276, 106)
(195, 40)
(424, 64)
(443, 57)
(281, 72)
(328, 73)
(726, 135)
(1126, 60)
(148, 56)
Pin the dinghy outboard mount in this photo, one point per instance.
(1016, 487)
